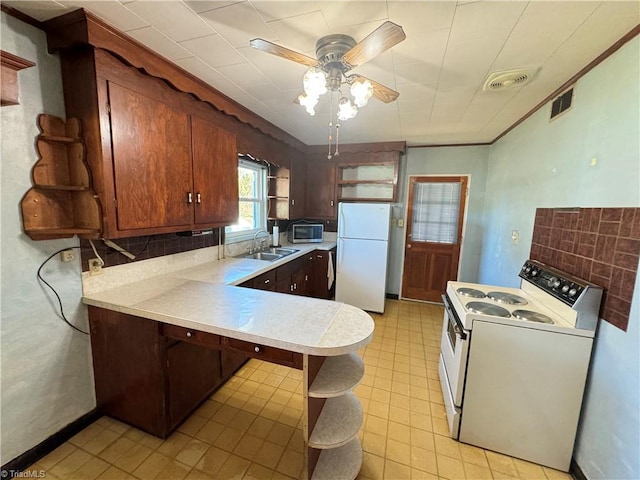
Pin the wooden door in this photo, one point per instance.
(434, 235)
(215, 174)
(151, 161)
(321, 192)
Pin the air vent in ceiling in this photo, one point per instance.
(509, 79)
(562, 103)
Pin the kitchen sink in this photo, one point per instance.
(270, 254)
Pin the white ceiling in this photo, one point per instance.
(439, 69)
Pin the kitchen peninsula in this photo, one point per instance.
(163, 343)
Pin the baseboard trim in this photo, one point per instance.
(392, 296)
(575, 471)
(28, 458)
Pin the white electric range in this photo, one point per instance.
(514, 362)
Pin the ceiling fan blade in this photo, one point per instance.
(273, 49)
(382, 93)
(381, 39)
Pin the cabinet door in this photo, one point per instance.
(320, 195)
(297, 180)
(151, 161)
(298, 282)
(215, 174)
(193, 372)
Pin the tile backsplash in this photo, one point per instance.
(146, 247)
(600, 245)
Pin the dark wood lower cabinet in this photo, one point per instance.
(193, 372)
(151, 378)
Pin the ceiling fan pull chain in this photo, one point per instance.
(330, 138)
(336, 153)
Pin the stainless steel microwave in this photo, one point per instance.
(305, 233)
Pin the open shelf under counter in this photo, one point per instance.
(339, 422)
(341, 463)
(338, 375)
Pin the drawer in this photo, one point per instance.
(266, 281)
(192, 336)
(263, 352)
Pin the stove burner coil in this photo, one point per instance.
(507, 298)
(487, 309)
(470, 292)
(530, 316)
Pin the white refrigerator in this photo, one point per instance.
(363, 245)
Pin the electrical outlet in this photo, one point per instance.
(67, 256)
(95, 266)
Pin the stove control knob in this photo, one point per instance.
(527, 268)
(565, 288)
(534, 272)
(572, 292)
(554, 282)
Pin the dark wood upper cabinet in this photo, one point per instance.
(151, 161)
(215, 173)
(297, 193)
(321, 191)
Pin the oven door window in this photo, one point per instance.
(451, 334)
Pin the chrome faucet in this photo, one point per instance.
(259, 248)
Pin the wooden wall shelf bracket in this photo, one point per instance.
(11, 64)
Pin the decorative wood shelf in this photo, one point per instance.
(339, 463)
(338, 423)
(10, 65)
(61, 202)
(359, 181)
(338, 375)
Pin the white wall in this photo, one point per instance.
(46, 372)
(549, 164)
(470, 161)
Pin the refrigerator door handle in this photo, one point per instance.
(340, 254)
(341, 220)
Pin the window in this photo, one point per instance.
(436, 207)
(252, 190)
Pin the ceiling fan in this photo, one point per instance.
(337, 54)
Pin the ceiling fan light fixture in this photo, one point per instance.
(346, 109)
(315, 82)
(362, 91)
(308, 102)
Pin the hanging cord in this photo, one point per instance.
(337, 153)
(39, 276)
(330, 123)
(96, 253)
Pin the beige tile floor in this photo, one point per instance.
(251, 427)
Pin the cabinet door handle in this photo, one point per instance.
(256, 349)
(291, 288)
(293, 202)
(198, 199)
(189, 198)
(332, 203)
(189, 334)
(267, 281)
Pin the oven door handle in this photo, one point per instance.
(458, 328)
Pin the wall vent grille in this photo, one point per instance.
(562, 103)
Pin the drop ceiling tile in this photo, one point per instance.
(112, 12)
(422, 47)
(160, 43)
(416, 73)
(301, 32)
(416, 97)
(200, 6)
(243, 74)
(414, 123)
(174, 19)
(380, 70)
(270, 10)
(284, 73)
(238, 24)
(421, 17)
(529, 45)
(40, 10)
(361, 31)
(485, 19)
(267, 93)
(197, 67)
(213, 50)
(342, 14)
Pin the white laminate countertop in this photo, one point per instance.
(204, 297)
